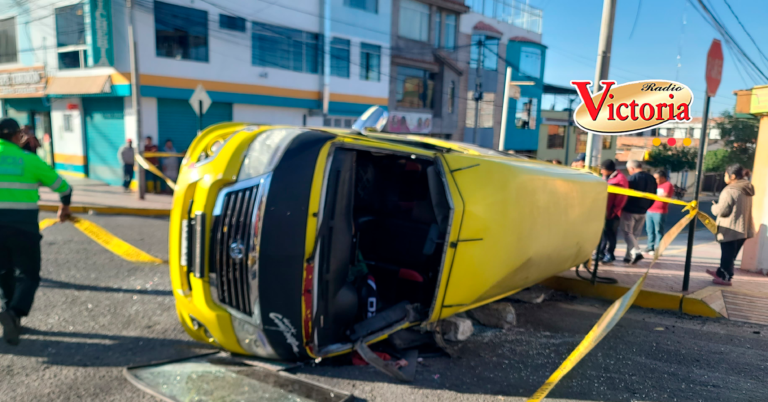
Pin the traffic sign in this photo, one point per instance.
(714, 67)
(200, 100)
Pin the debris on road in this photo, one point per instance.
(533, 295)
(496, 315)
(456, 329)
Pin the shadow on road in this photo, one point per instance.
(99, 350)
(52, 283)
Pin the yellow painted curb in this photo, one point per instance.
(706, 302)
(692, 306)
(84, 209)
(646, 298)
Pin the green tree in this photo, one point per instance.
(717, 160)
(740, 138)
(673, 158)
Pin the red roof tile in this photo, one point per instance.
(482, 26)
(523, 39)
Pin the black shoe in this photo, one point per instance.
(636, 258)
(627, 260)
(608, 259)
(11, 327)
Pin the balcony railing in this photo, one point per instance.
(509, 11)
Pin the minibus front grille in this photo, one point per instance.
(231, 243)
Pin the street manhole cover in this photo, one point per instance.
(210, 378)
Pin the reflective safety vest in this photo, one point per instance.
(21, 173)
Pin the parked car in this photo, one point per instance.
(297, 242)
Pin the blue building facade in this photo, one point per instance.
(524, 114)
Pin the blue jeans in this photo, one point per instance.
(654, 226)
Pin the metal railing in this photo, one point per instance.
(509, 11)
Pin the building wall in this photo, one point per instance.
(493, 81)
(524, 139)
(560, 118)
(69, 146)
(418, 54)
(229, 75)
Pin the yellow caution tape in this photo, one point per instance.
(162, 155)
(609, 319)
(46, 223)
(640, 194)
(106, 240)
(621, 305)
(152, 168)
(692, 206)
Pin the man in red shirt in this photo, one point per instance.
(657, 213)
(613, 209)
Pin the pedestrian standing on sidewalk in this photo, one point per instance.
(580, 161)
(613, 210)
(21, 173)
(633, 213)
(151, 177)
(126, 156)
(734, 221)
(657, 213)
(171, 163)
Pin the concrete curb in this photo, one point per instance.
(84, 209)
(702, 303)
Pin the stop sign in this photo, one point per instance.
(714, 67)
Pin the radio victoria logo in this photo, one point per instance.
(631, 107)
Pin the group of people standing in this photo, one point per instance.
(169, 165)
(628, 215)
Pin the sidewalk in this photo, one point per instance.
(101, 197)
(746, 300)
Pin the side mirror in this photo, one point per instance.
(374, 119)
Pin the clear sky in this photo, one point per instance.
(663, 29)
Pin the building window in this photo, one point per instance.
(451, 96)
(486, 110)
(366, 5)
(70, 37)
(414, 20)
(450, 32)
(530, 62)
(525, 113)
(285, 48)
(555, 137)
(181, 33)
(370, 62)
(340, 57)
(490, 50)
(415, 87)
(67, 123)
(607, 140)
(581, 140)
(231, 23)
(437, 30)
(8, 50)
(338, 122)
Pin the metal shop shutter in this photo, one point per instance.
(104, 133)
(176, 121)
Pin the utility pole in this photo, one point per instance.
(568, 130)
(601, 72)
(505, 109)
(135, 92)
(478, 87)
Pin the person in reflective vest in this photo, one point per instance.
(21, 173)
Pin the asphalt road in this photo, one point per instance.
(96, 314)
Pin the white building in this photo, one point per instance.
(65, 69)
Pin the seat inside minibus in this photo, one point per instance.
(384, 222)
